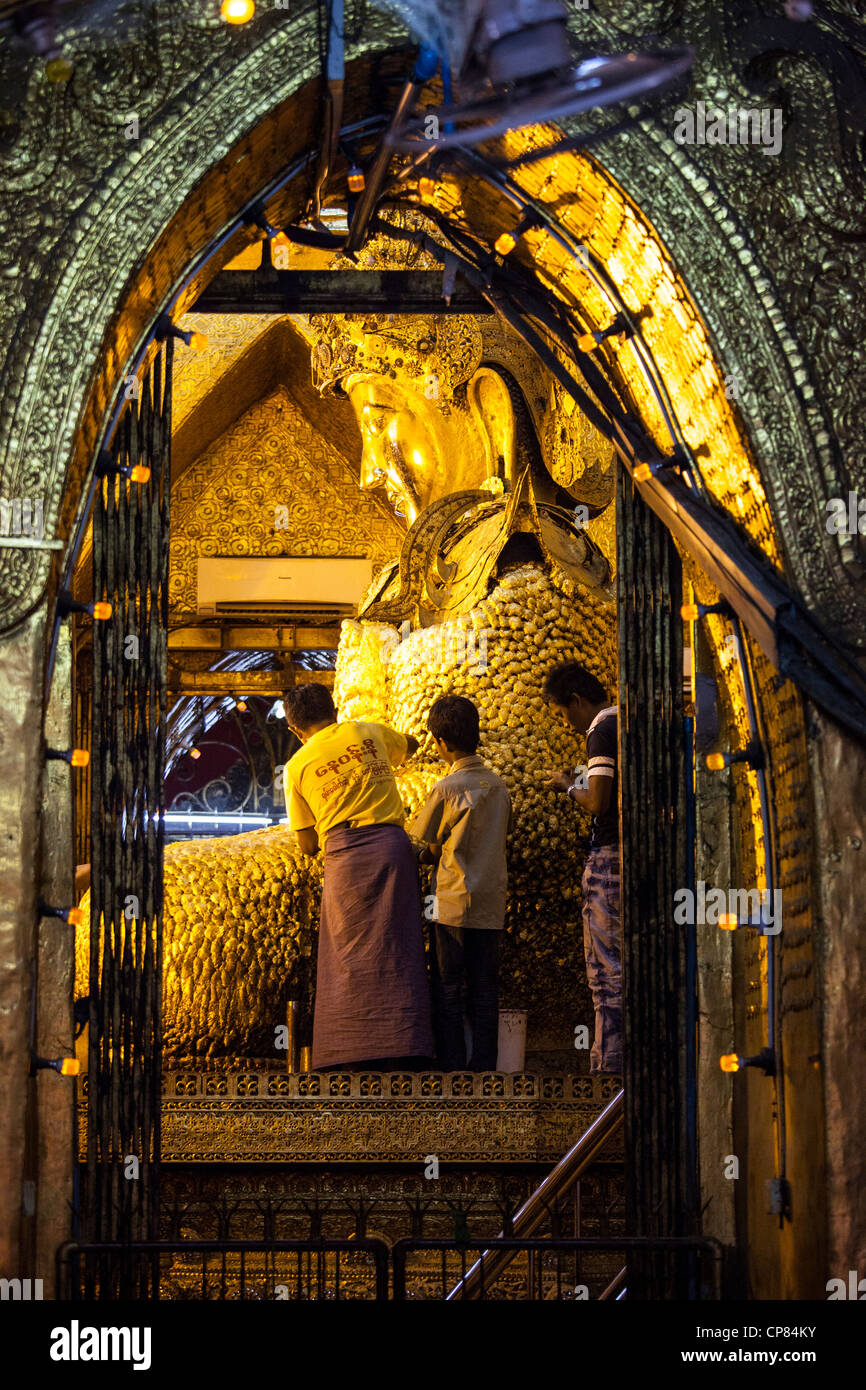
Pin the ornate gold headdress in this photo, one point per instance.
(445, 347)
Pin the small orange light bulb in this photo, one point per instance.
(716, 762)
(195, 752)
(198, 341)
(730, 1062)
(237, 11)
(586, 342)
(241, 705)
(75, 916)
(355, 179)
(690, 612)
(426, 187)
(102, 612)
(643, 473)
(69, 1066)
(80, 757)
(139, 473)
(504, 244)
(728, 921)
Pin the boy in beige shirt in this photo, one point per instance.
(464, 824)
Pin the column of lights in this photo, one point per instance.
(623, 325)
(753, 756)
(72, 916)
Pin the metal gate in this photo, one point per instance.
(130, 571)
(661, 1198)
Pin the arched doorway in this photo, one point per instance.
(170, 262)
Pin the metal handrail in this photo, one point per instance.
(492, 1250)
(532, 1213)
(616, 1287)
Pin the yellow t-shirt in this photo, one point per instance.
(344, 773)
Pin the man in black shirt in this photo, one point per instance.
(577, 698)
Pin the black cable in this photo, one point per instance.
(308, 236)
(574, 142)
(654, 378)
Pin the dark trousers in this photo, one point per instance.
(602, 943)
(470, 955)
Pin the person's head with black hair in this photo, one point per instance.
(574, 694)
(453, 722)
(308, 708)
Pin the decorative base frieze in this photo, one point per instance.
(268, 1116)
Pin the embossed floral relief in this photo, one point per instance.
(197, 372)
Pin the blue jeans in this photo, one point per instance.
(602, 944)
(472, 954)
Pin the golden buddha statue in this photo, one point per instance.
(473, 447)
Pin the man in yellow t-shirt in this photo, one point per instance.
(372, 996)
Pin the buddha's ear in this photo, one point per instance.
(490, 404)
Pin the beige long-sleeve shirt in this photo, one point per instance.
(468, 813)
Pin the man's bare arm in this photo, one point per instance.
(595, 798)
(308, 840)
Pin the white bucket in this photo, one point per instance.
(512, 1040)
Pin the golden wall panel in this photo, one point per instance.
(227, 502)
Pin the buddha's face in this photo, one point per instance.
(412, 447)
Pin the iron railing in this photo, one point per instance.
(548, 1270)
(662, 1197)
(129, 702)
(593, 1206)
(558, 1269)
(544, 1201)
(264, 1271)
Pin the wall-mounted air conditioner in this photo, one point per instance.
(309, 584)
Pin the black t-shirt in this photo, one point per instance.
(601, 762)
